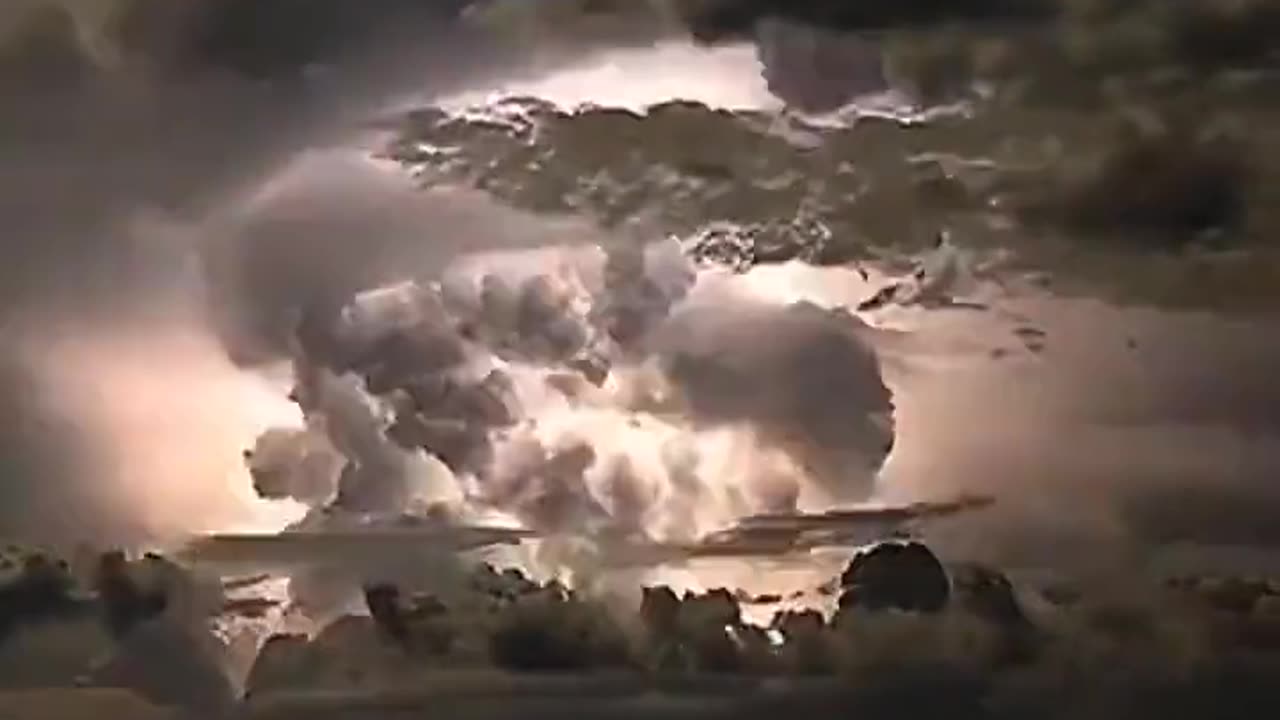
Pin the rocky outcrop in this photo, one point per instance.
(555, 632)
(806, 649)
(171, 663)
(280, 665)
(37, 589)
(125, 603)
(904, 576)
(702, 632)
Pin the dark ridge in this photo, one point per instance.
(125, 603)
(898, 576)
(41, 592)
(557, 634)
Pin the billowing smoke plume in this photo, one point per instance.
(814, 387)
(294, 464)
(165, 181)
(602, 395)
(169, 204)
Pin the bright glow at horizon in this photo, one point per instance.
(636, 78)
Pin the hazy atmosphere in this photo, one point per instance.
(639, 358)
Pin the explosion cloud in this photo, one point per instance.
(420, 381)
(170, 197)
(534, 390)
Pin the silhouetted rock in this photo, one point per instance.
(125, 603)
(546, 634)
(171, 662)
(39, 590)
(418, 624)
(805, 649)
(660, 610)
(708, 625)
(714, 607)
(503, 586)
(896, 576)
(756, 654)
(281, 664)
(798, 624)
(713, 650)
(746, 598)
(660, 614)
(701, 632)
(383, 602)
